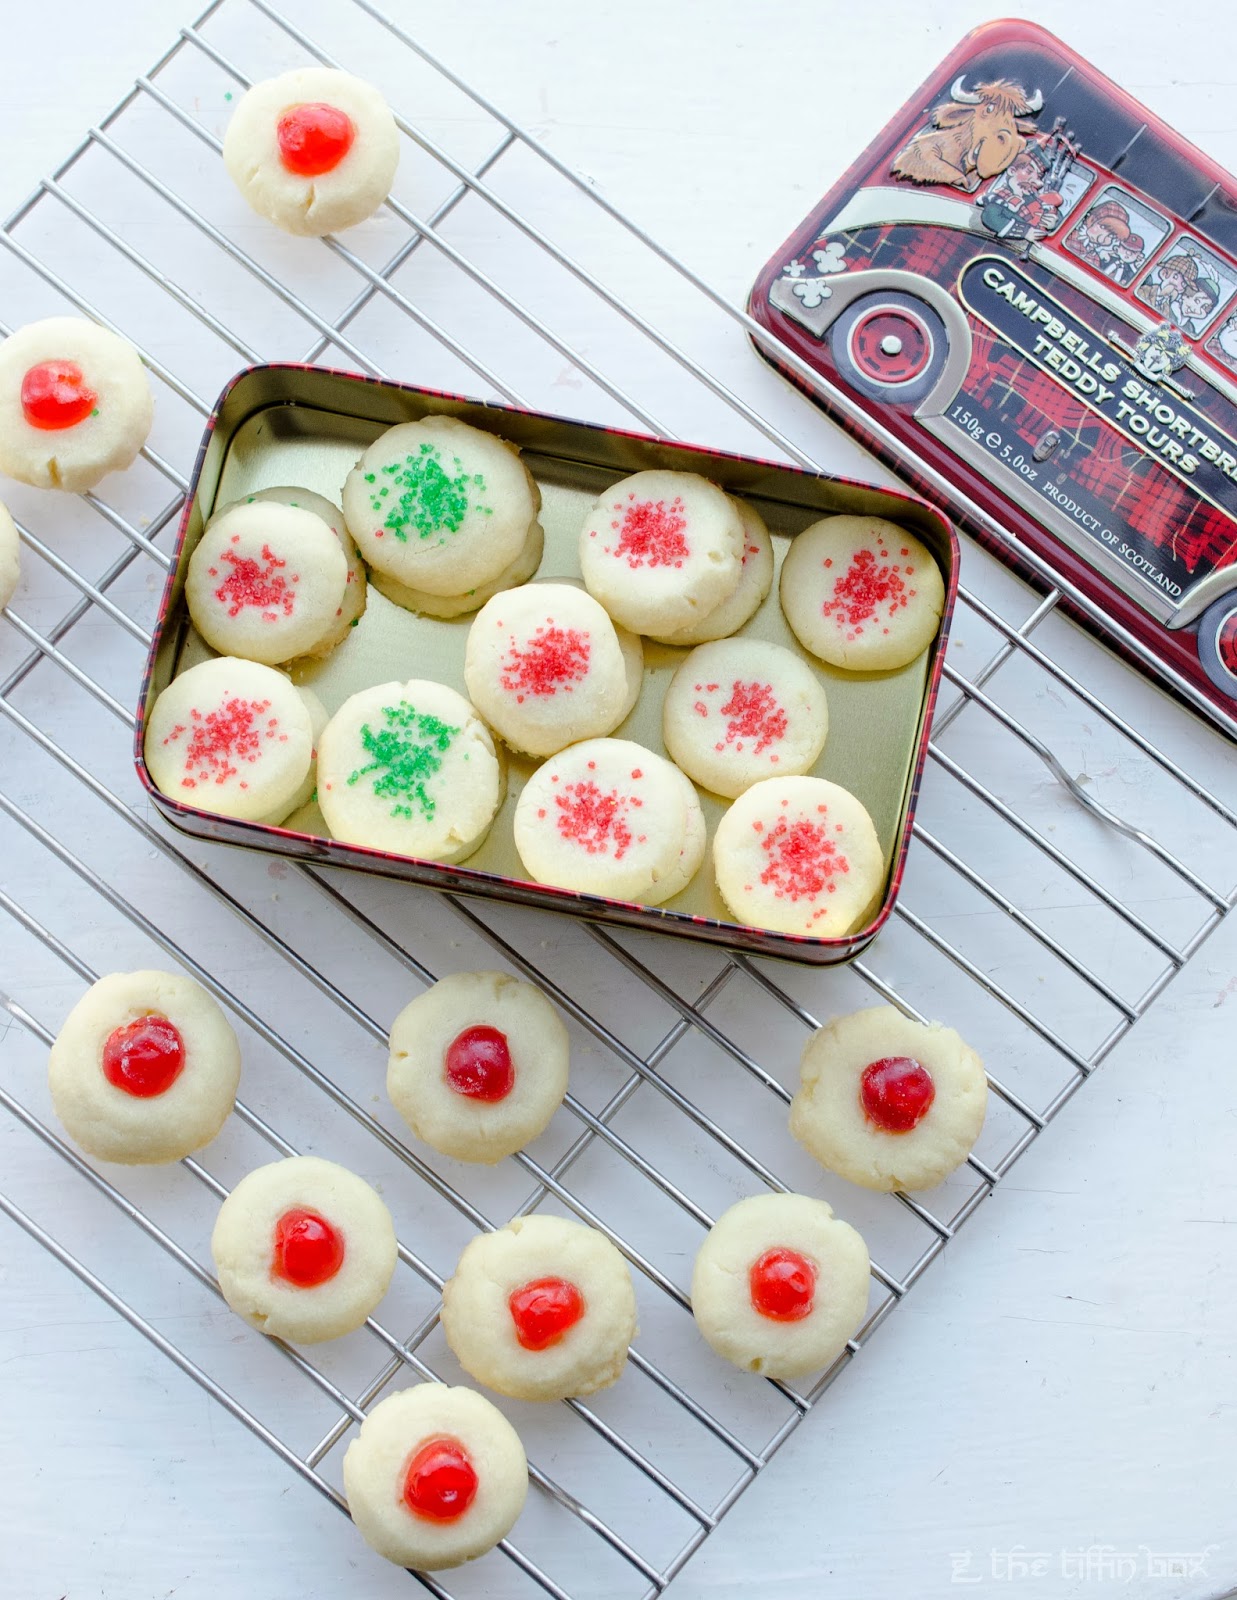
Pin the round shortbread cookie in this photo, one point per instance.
(409, 768)
(144, 1068)
(75, 404)
(352, 606)
(861, 593)
(740, 710)
(755, 581)
(440, 506)
(319, 716)
(478, 1065)
(888, 1102)
(544, 668)
(233, 737)
(541, 1309)
(304, 1249)
(630, 644)
(446, 606)
(798, 855)
(780, 1285)
(436, 1476)
(266, 582)
(691, 856)
(313, 150)
(660, 550)
(10, 557)
(604, 817)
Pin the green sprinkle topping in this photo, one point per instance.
(95, 412)
(355, 622)
(406, 755)
(432, 497)
(227, 94)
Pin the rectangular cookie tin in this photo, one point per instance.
(1023, 297)
(288, 424)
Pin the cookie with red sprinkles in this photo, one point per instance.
(603, 817)
(798, 855)
(861, 593)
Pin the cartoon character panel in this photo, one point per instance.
(1117, 235)
(1188, 285)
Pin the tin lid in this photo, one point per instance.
(1023, 297)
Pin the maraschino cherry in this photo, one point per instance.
(55, 395)
(441, 1482)
(782, 1284)
(544, 1310)
(314, 138)
(308, 1250)
(144, 1057)
(479, 1064)
(896, 1093)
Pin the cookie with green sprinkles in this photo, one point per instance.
(440, 506)
(409, 768)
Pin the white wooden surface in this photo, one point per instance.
(1064, 1378)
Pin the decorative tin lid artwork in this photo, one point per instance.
(1030, 283)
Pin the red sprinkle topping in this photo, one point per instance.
(308, 1250)
(144, 1057)
(314, 138)
(802, 861)
(896, 1093)
(867, 585)
(544, 1310)
(55, 395)
(651, 534)
(595, 820)
(553, 659)
(754, 713)
(251, 584)
(221, 738)
(478, 1064)
(441, 1482)
(782, 1284)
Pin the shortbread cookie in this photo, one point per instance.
(459, 605)
(798, 855)
(409, 768)
(660, 550)
(755, 581)
(319, 716)
(544, 668)
(888, 1102)
(144, 1068)
(478, 1065)
(10, 557)
(352, 606)
(436, 1476)
(541, 1309)
(440, 506)
(780, 1285)
(232, 737)
(861, 593)
(313, 150)
(266, 582)
(603, 817)
(740, 710)
(74, 404)
(691, 856)
(304, 1249)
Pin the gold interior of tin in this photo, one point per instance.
(875, 719)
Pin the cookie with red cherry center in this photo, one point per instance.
(780, 1285)
(861, 593)
(75, 404)
(661, 550)
(798, 855)
(739, 710)
(478, 1065)
(144, 1068)
(888, 1102)
(541, 1309)
(304, 1249)
(435, 1477)
(313, 150)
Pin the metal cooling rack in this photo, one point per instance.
(1045, 930)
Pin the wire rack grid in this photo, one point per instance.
(1042, 929)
